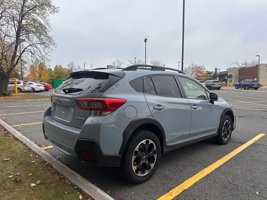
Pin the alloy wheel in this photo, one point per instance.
(226, 129)
(144, 157)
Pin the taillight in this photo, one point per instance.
(100, 104)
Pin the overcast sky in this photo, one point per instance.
(217, 32)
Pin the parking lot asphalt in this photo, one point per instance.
(242, 177)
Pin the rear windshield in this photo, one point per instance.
(88, 82)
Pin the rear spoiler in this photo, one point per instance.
(103, 74)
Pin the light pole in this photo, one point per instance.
(135, 60)
(259, 59)
(182, 60)
(145, 49)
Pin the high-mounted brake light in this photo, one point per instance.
(100, 104)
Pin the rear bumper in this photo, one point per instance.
(67, 139)
(61, 135)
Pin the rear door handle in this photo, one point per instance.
(194, 107)
(158, 107)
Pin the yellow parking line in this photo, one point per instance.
(47, 147)
(28, 124)
(22, 106)
(21, 113)
(194, 179)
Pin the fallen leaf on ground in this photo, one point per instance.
(33, 185)
(5, 159)
(38, 182)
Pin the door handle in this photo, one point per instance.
(158, 107)
(194, 107)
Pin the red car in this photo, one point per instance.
(47, 86)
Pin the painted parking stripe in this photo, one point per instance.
(27, 124)
(21, 113)
(23, 106)
(195, 178)
(47, 147)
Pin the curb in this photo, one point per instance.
(86, 186)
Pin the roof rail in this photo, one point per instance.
(150, 67)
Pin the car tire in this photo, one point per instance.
(225, 130)
(236, 87)
(141, 158)
(19, 90)
(33, 90)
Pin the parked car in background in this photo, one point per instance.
(22, 86)
(36, 87)
(248, 84)
(213, 84)
(130, 117)
(47, 86)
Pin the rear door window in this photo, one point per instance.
(149, 86)
(166, 85)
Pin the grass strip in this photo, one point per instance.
(24, 96)
(24, 175)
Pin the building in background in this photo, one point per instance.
(258, 72)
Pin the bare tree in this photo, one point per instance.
(73, 67)
(135, 62)
(156, 63)
(117, 63)
(245, 63)
(24, 34)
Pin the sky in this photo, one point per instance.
(95, 33)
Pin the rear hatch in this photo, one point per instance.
(80, 85)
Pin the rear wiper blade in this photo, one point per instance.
(71, 90)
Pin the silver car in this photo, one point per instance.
(213, 84)
(129, 117)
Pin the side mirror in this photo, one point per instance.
(213, 97)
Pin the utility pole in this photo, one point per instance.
(182, 60)
(259, 59)
(145, 49)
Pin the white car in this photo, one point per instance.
(36, 87)
(22, 86)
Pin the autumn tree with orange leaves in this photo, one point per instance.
(197, 71)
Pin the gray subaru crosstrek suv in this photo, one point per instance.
(129, 117)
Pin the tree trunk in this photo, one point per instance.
(3, 85)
